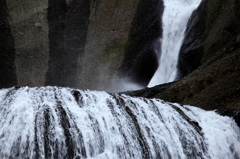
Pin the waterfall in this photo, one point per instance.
(54, 122)
(175, 17)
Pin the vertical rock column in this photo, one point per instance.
(68, 23)
(56, 15)
(7, 51)
(192, 47)
(140, 61)
(28, 22)
(76, 27)
(107, 36)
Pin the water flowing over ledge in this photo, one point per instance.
(53, 122)
(175, 18)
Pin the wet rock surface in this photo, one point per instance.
(192, 47)
(7, 53)
(67, 38)
(107, 37)
(140, 61)
(29, 29)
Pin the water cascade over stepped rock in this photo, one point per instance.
(53, 122)
(175, 18)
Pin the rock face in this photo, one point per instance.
(88, 44)
(28, 23)
(7, 53)
(107, 35)
(68, 24)
(192, 47)
(140, 61)
(74, 43)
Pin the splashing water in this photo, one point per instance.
(175, 17)
(52, 122)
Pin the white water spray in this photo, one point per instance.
(52, 122)
(175, 17)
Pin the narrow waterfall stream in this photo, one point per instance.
(175, 17)
(53, 122)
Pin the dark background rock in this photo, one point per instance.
(67, 38)
(75, 33)
(7, 50)
(107, 37)
(192, 47)
(29, 28)
(140, 61)
(57, 10)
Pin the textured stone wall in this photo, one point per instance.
(192, 48)
(74, 43)
(41, 41)
(68, 24)
(108, 29)
(140, 61)
(7, 50)
(29, 28)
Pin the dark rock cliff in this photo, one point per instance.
(7, 55)
(29, 28)
(140, 61)
(192, 47)
(107, 36)
(57, 10)
(67, 38)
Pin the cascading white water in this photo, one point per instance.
(52, 122)
(175, 17)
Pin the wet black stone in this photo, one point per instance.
(7, 48)
(76, 95)
(140, 62)
(56, 16)
(192, 47)
(67, 37)
(17, 87)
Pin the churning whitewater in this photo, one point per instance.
(175, 17)
(53, 122)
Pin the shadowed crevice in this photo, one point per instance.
(68, 26)
(7, 50)
(140, 61)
